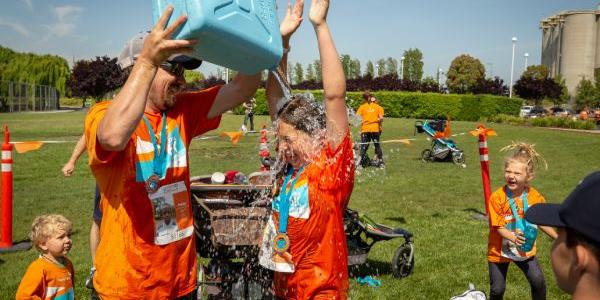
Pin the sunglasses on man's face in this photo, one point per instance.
(173, 68)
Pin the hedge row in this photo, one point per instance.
(559, 122)
(422, 105)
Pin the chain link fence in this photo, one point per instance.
(26, 97)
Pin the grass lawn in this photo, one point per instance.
(435, 201)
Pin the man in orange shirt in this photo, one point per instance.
(372, 117)
(137, 145)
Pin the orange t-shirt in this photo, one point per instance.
(46, 280)
(501, 215)
(134, 261)
(316, 229)
(370, 114)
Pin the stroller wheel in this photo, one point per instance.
(458, 159)
(404, 261)
(426, 155)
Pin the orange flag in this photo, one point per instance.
(23, 147)
(234, 136)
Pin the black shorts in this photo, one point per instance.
(97, 212)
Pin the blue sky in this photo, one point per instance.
(367, 30)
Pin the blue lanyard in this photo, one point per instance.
(513, 208)
(159, 156)
(284, 198)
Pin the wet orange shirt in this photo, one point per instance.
(316, 229)
(500, 215)
(370, 114)
(47, 281)
(129, 264)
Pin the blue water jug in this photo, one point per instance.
(530, 234)
(238, 34)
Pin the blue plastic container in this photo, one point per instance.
(238, 34)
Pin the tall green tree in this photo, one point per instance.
(463, 74)
(413, 65)
(346, 64)
(586, 95)
(356, 71)
(193, 76)
(391, 66)
(536, 72)
(370, 69)
(310, 72)
(381, 66)
(318, 72)
(298, 73)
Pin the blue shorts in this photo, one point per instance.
(97, 212)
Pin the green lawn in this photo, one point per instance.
(435, 201)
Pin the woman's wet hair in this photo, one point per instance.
(303, 114)
(526, 154)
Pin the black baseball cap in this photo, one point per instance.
(133, 48)
(580, 211)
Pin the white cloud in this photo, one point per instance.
(14, 26)
(29, 3)
(66, 17)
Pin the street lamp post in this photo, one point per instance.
(402, 67)
(512, 67)
(526, 57)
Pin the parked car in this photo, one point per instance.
(525, 111)
(558, 111)
(537, 112)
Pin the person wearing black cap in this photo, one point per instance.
(576, 251)
(138, 152)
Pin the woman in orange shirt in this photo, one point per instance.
(305, 241)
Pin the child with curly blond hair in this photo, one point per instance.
(51, 276)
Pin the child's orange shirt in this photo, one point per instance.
(370, 114)
(46, 280)
(501, 215)
(316, 229)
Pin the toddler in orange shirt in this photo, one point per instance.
(51, 276)
(512, 239)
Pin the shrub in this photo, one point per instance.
(557, 122)
(421, 105)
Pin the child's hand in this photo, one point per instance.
(292, 20)
(519, 238)
(318, 12)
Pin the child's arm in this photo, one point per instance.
(551, 232)
(291, 22)
(517, 238)
(77, 152)
(32, 285)
(334, 81)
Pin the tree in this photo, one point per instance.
(494, 86)
(318, 72)
(370, 69)
(429, 85)
(298, 73)
(413, 65)
(391, 66)
(586, 94)
(356, 71)
(564, 91)
(193, 76)
(95, 78)
(381, 67)
(536, 71)
(310, 73)
(464, 73)
(346, 64)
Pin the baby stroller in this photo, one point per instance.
(362, 233)
(229, 220)
(442, 148)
